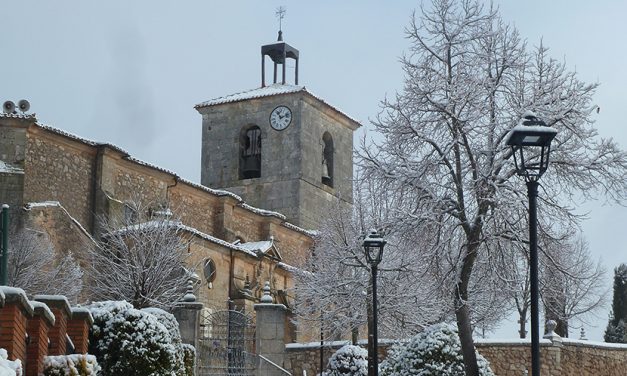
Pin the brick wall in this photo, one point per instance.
(45, 321)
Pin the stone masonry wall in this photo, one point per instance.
(570, 357)
(11, 188)
(59, 170)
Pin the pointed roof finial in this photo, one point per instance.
(280, 14)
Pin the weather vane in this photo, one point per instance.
(280, 14)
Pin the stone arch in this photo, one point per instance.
(250, 152)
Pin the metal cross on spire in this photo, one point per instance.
(280, 14)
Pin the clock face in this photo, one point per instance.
(280, 118)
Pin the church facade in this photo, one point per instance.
(273, 160)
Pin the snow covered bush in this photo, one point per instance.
(189, 359)
(9, 367)
(71, 365)
(348, 361)
(434, 352)
(170, 323)
(127, 341)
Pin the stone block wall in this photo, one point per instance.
(61, 170)
(11, 188)
(558, 357)
(507, 358)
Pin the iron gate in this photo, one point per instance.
(226, 344)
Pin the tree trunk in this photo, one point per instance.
(462, 314)
(462, 311)
(522, 331)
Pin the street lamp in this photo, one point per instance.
(531, 146)
(373, 247)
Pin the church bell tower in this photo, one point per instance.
(280, 147)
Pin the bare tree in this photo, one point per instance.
(335, 285)
(35, 267)
(141, 259)
(469, 79)
(573, 285)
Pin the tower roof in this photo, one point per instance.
(268, 91)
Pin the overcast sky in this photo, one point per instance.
(129, 73)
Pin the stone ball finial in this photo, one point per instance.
(189, 294)
(582, 336)
(266, 298)
(550, 326)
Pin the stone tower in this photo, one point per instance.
(279, 146)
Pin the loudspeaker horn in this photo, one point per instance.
(23, 105)
(8, 107)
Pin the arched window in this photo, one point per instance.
(250, 153)
(327, 159)
(209, 270)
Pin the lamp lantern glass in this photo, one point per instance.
(373, 247)
(531, 146)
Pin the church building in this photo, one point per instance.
(273, 159)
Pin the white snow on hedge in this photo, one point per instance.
(9, 367)
(434, 352)
(349, 360)
(125, 339)
(74, 364)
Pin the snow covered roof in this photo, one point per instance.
(268, 91)
(250, 248)
(262, 246)
(9, 168)
(16, 115)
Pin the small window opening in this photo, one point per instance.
(250, 153)
(327, 160)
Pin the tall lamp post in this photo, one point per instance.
(531, 146)
(373, 247)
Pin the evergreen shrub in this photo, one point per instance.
(349, 360)
(434, 352)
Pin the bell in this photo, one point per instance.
(252, 167)
(325, 170)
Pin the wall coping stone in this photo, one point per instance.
(510, 342)
(17, 295)
(41, 309)
(594, 344)
(82, 313)
(55, 301)
(270, 305)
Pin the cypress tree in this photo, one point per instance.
(616, 330)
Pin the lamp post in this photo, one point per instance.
(373, 247)
(531, 146)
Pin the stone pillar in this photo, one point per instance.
(270, 335)
(187, 313)
(37, 348)
(60, 307)
(78, 329)
(552, 358)
(14, 312)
